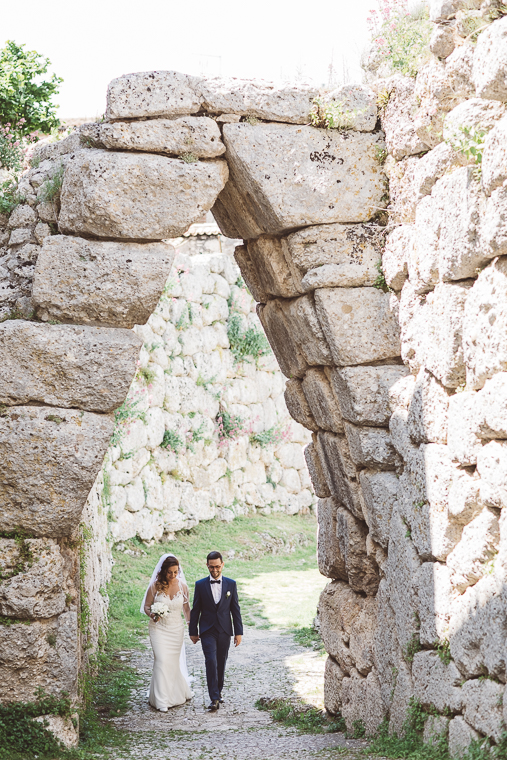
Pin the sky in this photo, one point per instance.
(91, 43)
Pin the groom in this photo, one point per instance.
(215, 602)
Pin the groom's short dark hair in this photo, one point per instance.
(214, 555)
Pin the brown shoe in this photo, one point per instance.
(214, 705)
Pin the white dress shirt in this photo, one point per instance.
(216, 589)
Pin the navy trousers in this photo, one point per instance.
(215, 645)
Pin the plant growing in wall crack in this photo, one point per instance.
(400, 38)
(127, 413)
(246, 345)
(272, 437)
(469, 141)
(229, 427)
(333, 114)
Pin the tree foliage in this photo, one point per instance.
(25, 93)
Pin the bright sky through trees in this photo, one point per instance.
(90, 44)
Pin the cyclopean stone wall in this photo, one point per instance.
(172, 466)
(401, 383)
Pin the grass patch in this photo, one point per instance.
(310, 638)
(307, 719)
(246, 345)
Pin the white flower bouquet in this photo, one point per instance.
(159, 609)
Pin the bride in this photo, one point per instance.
(170, 681)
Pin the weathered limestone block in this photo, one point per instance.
(250, 274)
(152, 93)
(403, 692)
(302, 316)
(29, 661)
(490, 62)
(494, 157)
(483, 706)
(492, 468)
(360, 324)
(380, 493)
(362, 570)
(464, 445)
(398, 119)
(401, 177)
(422, 254)
(50, 459)
(473, 113)
(136, 195)
(427, 416)
(316, 472)
(394, 259)
(371, 447)
(442, 41)
(437, 684)
(62, 728)
(91, 282)
(38, 589)
(478, 546)
(272, 269)
(329, 555)
(299, 176)
(441, 10)
(491, 408)
(65, 365)
(460, 736)
(358, 104)
(347, 623)
(283, 339)
(235, 213)
(386, 651)
(188, 134)
(339, 471)
(485, 325)
(478, 628)
(363, 392)
(401, 574)
(322, 402)
(464, 497)
(423, 498)
(494, 224)
(434, 596)
(335, 255)
(297, 404)
(431, 167)
(434, 727)
(333, 677)
(431, 331)
(362, 701)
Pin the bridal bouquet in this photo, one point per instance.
(159, 610)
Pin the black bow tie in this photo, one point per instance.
(212, 581)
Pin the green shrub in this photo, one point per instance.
(246, 345)
(172, 441)
(411, 649)
(444, 651)
(409, 745)
(51, 188)
(307, 719)
(400, 37)
(272, 437)
(332, 114)
(469, 141)
(123, 417)
(9, 197)
(229, 426)
(146, 374)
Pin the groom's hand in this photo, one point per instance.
(194, 639)
(237, 640)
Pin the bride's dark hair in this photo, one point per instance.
(166, 564)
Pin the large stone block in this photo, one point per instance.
(371, 447)
(474, 113)
(300, 176)
(437, 684)
(494, 157)
(395, 256)
(329, 555)
(483, 706)
(235, 213)
(301, 315)
(28, 660)
(152, 93)
(188, 134)
(469, 560)
(464, 499)
(434, 597)
(362, 702)
(492, 468)
(461, 734)
(339, 471)
(398, 119)
(380, 493)
(401, 573)
(485, 325)
(363, 392)
(65, 365)
(33, 587)
(386, 651)
(360, 324)
(99, 283)
(347, 624)
(493, 230)
(297, 404)
(322, 402)
(464, 445)
(491, 408)
(427, 416)
(136, 195)
(335, 255)
(361, 568)
(359, 104)
(478, 629)
(490, 62)
(317, 476)
(50, 459)
(402, 694)
(333, 677)
(250, 274)
(282, 339)
(273, 270)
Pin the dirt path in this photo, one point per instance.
(267, 664)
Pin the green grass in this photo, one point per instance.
(308, 720)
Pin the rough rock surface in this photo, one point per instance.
(490, 62)
(131, 196)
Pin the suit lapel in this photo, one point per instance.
(207, 585)
(224, 591)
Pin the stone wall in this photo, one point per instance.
(398, 375)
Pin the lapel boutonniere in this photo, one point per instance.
(228, 593)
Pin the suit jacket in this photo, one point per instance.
(206, 614)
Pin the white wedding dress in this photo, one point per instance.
(168, 686)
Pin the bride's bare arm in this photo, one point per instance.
(186, 605)
(150, 597)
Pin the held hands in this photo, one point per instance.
(194, 639)
(237, 640)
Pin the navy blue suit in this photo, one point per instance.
(214, 624)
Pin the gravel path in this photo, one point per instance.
(267, 664)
